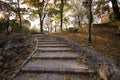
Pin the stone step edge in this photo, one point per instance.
(52, 46)
(53, 50)
(55, 70)
(34, 57)
(50, 43)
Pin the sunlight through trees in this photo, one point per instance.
(59, 15)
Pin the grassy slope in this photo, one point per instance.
(104, 40)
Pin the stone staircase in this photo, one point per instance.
(54, 60)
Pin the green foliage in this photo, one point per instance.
(25, 30)
(15, 26)
(17, 29)
(26, 23)
(2, 25)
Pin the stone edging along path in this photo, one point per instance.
(108, 69)
(30, 56)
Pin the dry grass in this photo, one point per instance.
(104, 40)
(17, 61)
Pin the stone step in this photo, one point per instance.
(53, 45)
(44, 38)
(56, 66)
(50, 43)
(46, 76)
(54, 49)
(56, 55)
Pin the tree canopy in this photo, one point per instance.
(61, 13)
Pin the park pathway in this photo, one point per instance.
(54, 60)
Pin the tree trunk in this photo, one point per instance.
(90, 22)
(19, 14)
(55, 26)
(6, 27)
(115, 9)
(51, 26)
(41, 26)
(41, 16)
(40, 20)
(79, 24)
(51, 29)
(61, 24)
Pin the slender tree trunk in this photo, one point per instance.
(7, 22)
(101, 13)
(41, 16)
(6, 27)
(115, 9)
(61, 24)
(55, 26)
(90, 22)
(79, 24)
(19, 14)
(40, 20)
(41, 26)
(51, 27)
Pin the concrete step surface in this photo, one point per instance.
(57, 66)
(56, 55)
(54, 49)
(49, 76)
(53, 45)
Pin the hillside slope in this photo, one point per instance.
(104, 40)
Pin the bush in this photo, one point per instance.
(25, 30)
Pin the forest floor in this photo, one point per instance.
(106, 41)
(13, 58)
